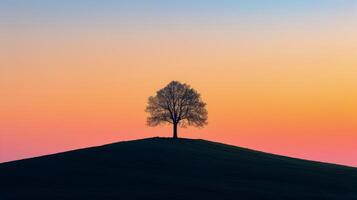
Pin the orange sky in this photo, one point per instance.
(281, 82)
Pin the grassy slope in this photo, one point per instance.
(159, 168)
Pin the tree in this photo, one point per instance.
(177, 104)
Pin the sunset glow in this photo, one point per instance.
(277, 76)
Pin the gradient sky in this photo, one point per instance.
(278, 76)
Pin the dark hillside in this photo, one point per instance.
(160, 168)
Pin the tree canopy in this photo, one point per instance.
(177, 104)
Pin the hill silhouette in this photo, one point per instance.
(162, 168)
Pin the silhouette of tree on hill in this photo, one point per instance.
(177, 104)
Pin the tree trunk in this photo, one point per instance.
(175, 131)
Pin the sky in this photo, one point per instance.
(277, 76)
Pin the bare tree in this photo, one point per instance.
(177, 104)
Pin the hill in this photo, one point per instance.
(161, 168)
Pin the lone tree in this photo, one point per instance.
(177, 104)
